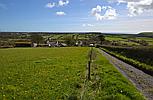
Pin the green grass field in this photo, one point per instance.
(59, 73)
(123, 39)
(149, 40)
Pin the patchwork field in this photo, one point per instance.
(60, 73)
(129, 40)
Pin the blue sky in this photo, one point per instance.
(76, 15)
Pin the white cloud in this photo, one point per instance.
(84, 25)
(56, 4)
(110, 13)
(63, 3)
(96, 10)
(137, 7)
(60, 13)
(87, 25)
(50, 5)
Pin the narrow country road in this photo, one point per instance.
(142, 81)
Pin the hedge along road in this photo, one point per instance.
(142, 81)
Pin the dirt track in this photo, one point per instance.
(142, 81)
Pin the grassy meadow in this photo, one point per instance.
(60, 74)
(129, 40)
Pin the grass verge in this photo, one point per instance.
(107, 83)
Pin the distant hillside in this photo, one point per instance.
(145, 34)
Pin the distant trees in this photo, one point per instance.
(36, 38)
(70, 41)
(143, 43)
(101, 38)
(7, 43)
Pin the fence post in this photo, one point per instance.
(89, 63)
(89, 66)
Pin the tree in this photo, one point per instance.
(69, 41)
(36, 38)
(143, 43)
(101, 38)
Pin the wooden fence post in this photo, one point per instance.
(89, 63)
(89, 66)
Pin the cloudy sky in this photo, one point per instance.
(128, 16)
